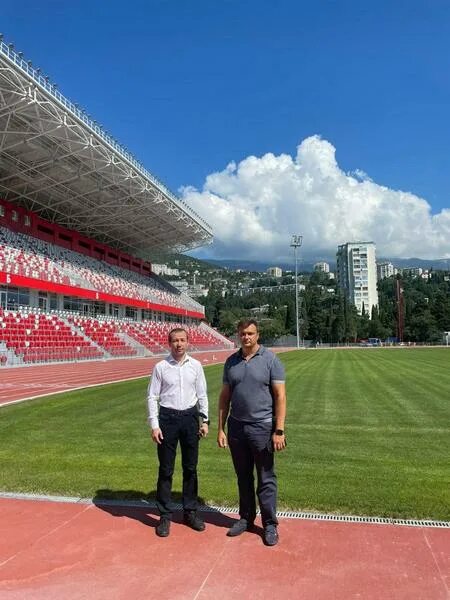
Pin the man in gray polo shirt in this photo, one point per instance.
(253, 399)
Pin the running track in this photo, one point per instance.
(25, 383)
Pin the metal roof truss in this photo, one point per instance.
(52, 163)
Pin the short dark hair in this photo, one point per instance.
(177, 330)
(243, 323)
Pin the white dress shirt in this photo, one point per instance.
(178, 385)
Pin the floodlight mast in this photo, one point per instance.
(296, 242)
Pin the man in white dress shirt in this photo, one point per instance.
(178, 389)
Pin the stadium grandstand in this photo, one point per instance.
(80, 218)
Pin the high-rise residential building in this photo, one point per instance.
(385, 269)
(274, 272)
(324, 267)
(357, 274)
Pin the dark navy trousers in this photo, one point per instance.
(251, 449)
(178, 426)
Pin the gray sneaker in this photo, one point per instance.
(192, 520)
(239, 527)
(163, 527)
(270, 535)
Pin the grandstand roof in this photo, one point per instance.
(58, 162)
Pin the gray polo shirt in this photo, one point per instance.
(250, 383)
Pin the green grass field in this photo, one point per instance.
(368, 433)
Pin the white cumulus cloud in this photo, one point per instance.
(256, 205)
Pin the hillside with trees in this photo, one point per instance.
(327, 317)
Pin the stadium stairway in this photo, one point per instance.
(81, 333)
(213, 333)
(105, 334)
(142, 334)
(207, 338)
(141, 350)
(9, 357)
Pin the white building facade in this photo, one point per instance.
(321, 266)
(385, 269)
(357, 274)
(165, 270)
(274, 272)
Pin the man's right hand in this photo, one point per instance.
(222, 439)
(157, 435)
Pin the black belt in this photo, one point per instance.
(174, 412)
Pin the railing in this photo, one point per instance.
(43, 82)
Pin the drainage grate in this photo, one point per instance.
(233, 510)
(342, 518)
(371, 520)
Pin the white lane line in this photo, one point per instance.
(69, 389)
(47, 534)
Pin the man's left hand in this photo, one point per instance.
(278, 442)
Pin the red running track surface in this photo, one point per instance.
(65, 551)
(20, 383)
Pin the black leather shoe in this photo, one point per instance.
(270, 535)
(163, 528)
(239, 527)
(193, 521)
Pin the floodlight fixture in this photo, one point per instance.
(296, 242)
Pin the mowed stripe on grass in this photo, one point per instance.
(372, 429)
(368, 433)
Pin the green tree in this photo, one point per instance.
(350, 320)
(376, 328)
(289, 323)
(362, 326)
(270, 330)
(440, 308)
(229, 319)
(422, 328)
(219, 305)
(338, 324)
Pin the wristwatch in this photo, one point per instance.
(205, 421)
(279, 431)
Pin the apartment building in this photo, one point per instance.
(385, 269)
(357, 274)
(274, 272)
(321, 266)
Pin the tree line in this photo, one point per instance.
(326, 316)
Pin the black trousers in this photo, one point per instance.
(250, 446)
(178, 426)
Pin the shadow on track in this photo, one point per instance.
(140, 506)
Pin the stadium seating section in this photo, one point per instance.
(27, 256)
(30, 336)
(42, 338)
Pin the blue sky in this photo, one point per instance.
(190, 87)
